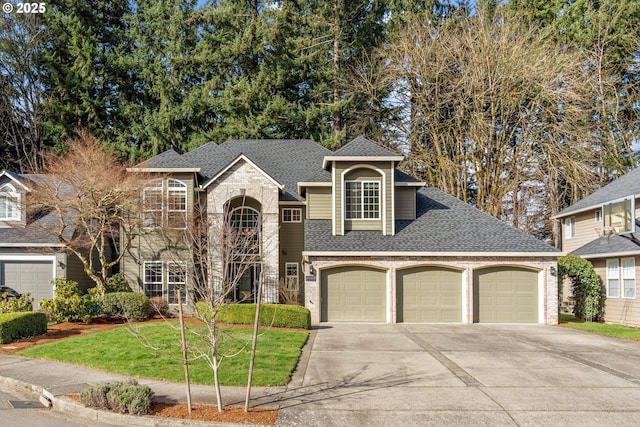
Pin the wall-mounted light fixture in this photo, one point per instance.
(553, 271)
(62, 265)
(312, 270)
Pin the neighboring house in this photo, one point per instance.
(30, 256)
(601, 228)
(361, 240)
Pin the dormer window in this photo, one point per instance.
(362, 199)
(9, 203)
(165, 204)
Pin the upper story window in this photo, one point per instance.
(570, 227)
(9, 203)
(291, 215)
(597, 217)
(362, 200)
(165, 203)
(245, 222)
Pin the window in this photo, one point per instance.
(291, 215)
(570, 227)
(9, 203)
(628, 277)
(176, 279)
(362, 200)
(245, 222)
(159, 273)
(291, 276)
(598, 216)
(165, 209)
(622, 272)
(153, 278)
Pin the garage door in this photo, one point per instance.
(429, 294)
(353, 294)
(28, 276)
(505, 295)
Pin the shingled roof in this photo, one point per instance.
(363, 147)
(627, 185)
(444, 224)
(614, 245)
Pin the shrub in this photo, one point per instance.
(69, 304)
(13, 305)
(14, 326)
(587, 288)
(278, 315)
(160, 305)
(127, 305)
(120, 397)
(117, 283)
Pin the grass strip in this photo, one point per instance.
(612, 330)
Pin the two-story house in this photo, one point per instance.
(361, 240)
(602, 229)
(30, 256)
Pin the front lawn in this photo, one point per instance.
(611, 330)
(156, 353)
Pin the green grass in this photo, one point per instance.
(119, 351)
(611, 330)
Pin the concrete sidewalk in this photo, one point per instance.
(416, 375)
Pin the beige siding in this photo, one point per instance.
(625, 311)
(361, 171)
(319, 202)
(291, 246)
(585, 231)
(405, 203)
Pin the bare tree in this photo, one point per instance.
(488, 108)
(95, 204)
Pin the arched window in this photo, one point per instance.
(165, 209)
(245, 224)
(9, 203)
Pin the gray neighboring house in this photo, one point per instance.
(30, 257)
(360, 240)
(602, 228)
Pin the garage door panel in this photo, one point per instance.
(429, 294)
(353, 294)
(506, 295)
(33, 277)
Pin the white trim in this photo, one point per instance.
(246, 159)
(360, 159)
(306, 184)
(333, 198)
(291, 203)
(15, 179)
(409, 184)
(157, 170)
(570, 228)
(611, 255)
(435, 254)
(617, 276)
(393, 200)
(622, 278)
(292, 221)
(588, 208)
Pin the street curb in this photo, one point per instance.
(68, 406)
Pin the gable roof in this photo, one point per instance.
(16, 178)
(169, 160)
(287, 161)
(627, 185)
(361, 149)
(443, 224)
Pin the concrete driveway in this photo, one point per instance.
(417, 375)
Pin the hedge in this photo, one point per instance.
(278, 315)
(14, 326)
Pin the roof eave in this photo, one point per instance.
(327, 159)
(15, 179)
(162, 170)
(246, 159)
(435, 254)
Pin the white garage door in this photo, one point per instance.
(28, 276)
(353, 294)
(505, 295)
(429, 294)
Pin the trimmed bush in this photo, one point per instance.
(69, 304)
(160, 306)
(14, 326)
(14, 305)
(278, 315)
(117, 283)
(126, 305)
(120, 397)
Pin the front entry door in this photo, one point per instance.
(247, 285)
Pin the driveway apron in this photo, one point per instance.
(438, 374)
